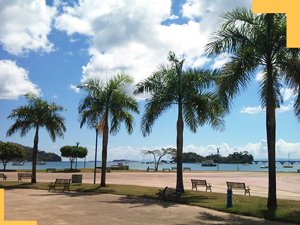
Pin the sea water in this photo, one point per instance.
(143, 166)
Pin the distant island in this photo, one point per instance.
(234, 158)
(42, 155)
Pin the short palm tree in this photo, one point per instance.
(257, 43)
(108, 105)
(35, 115)
(171, 85)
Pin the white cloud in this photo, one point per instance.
(74, 88)
(252, 110)
(259, 109)
(259, 150)
(288, 94)
(14, 81)
(259, 75)
(220, 61)
(132, 38)
(25, 25)
(173, 17)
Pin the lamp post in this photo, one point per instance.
(95, 165)
(77, 144)
(218, 151)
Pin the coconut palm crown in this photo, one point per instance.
(106, 106)
(258, 43)
(35, 115)
(188, 90)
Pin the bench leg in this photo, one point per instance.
(247, 191)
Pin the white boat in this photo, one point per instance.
(18, 163)
(209, 163)
(264, 166)
(40, 163)
(288, 164)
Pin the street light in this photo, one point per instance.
(218, 154)
(77, 144)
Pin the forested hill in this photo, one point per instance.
(42, 155)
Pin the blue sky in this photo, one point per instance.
(49, 47)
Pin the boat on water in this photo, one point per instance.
(18, 163)
(264, 166)
(41, 163)
(209, 163)
(288, 164)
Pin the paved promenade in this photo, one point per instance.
(105, 209)
(287, 183)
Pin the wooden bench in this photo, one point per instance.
(166, 169)
(168, 194)
(3, 176)
(52, 170)
(187, 168)
(24, 176)
(108, 169)
(238, 185)
(150, 169)
(65, 183)
(174, 168)
(196, 183)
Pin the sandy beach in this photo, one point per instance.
(287, 183)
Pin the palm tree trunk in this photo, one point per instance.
(271, 138)
(179, 182)
(104, 153)
(96, 147)
(34, 154)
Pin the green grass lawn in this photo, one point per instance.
(244, 205)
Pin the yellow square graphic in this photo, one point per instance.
(10, 222)
(290, 7)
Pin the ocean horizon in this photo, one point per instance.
(136, 165)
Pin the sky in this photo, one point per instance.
(49, 47)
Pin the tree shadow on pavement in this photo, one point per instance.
(138, 202)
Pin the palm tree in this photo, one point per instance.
(90, 109)
(257, 43)
(109, 105)
(35, 115)
(171, 85)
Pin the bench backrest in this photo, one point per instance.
(62, 181)
(24, 174)
(198, 182)
(2, 175)
(170, 191)
(236, 185)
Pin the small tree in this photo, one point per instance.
(10, 152)
(73, 152)
(81, 152)
(158, 154)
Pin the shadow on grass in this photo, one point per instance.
(229, 219)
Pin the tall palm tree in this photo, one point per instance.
(171, 85)
(35, 115)
(90, 109)
(257, 43)
(109, 104)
